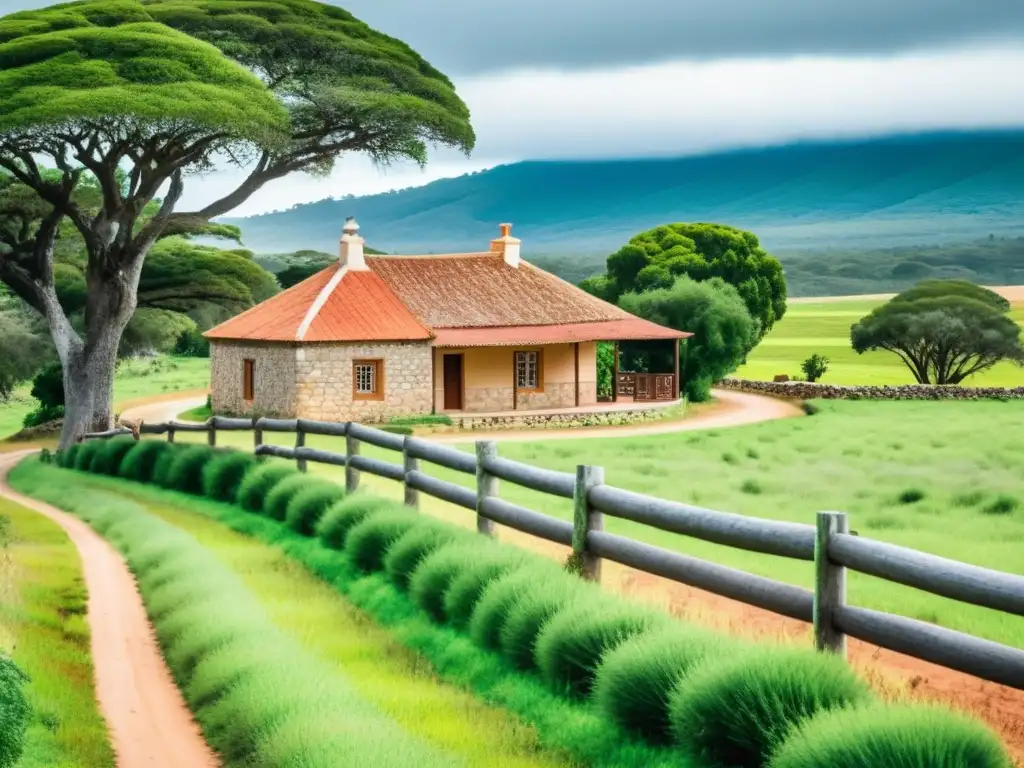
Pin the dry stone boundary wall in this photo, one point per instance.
(804, 390)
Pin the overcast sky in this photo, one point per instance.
(596, 78)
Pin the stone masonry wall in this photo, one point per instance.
(803, 390)
(273, 378)
(324, 381)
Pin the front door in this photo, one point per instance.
(453, 382)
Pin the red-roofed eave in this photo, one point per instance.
(632, 329)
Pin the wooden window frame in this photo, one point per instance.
(248, 380)
(540, 370)
(378, 364)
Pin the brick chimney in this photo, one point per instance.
(507, 246)
(350, 253)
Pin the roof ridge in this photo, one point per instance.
(472, 255)
(319, 301)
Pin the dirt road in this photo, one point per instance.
(150, 726)
(731, 409)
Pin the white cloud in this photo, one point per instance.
(690, 107)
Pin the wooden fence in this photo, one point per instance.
(829, 545)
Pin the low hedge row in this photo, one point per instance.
(259, 696)
(722, 702)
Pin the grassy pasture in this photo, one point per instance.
(43, 627)
(941, 477)
(823, 327)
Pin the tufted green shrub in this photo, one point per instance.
(470, 581)
(531, 609)
(108, 457)
(572, 643)
(369, 541)
(407, 553)
(14, 712)
(276, 503)
(496, 600)
(164, 463)
(342, 517)
(66, 458)
(305, 508)
(140, 461)
(258, 482)
(85, 454)
(223, 474)
(735, 713)
(185, 473)
(634, 681)
(890, 735)
(435, 573)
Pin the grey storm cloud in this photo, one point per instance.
(465, 37)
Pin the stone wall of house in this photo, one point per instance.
(803, 390)
(273, 378)
(324, 381)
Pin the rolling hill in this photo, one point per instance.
(884, 192)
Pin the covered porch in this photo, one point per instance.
(547, 370)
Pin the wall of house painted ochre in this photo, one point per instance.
(488, 375)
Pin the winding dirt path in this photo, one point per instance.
(731, 409)
(150, 726)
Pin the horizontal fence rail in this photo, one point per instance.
(829, 545)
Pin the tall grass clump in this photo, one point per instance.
(891, 735)
(165, 463)
(276, 504)
(735, 713)
(634, 681)
(261, 698)
(108, 457)
(409, 551)
(85, 454)
(223, 474)
(342, 517)
(466, 588)
(369, 541)
(496, 600)
(435, 573)
(305, 508)
(139, 463)
(531, 609)
(258, 482)
(572, 643)
(14, 712)
(66, 459)
(185, 473)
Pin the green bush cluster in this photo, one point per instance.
(720, 702)
(14, 712)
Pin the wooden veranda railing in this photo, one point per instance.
(828, 547)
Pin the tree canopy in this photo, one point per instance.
(654, 260)
(714, 312)
(943, 330)
(110, 103)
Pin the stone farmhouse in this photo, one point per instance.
(375, 337)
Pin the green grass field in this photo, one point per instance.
(42, 626)
(824, 328)
(865, 458)
(136, 379)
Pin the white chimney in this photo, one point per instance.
(351, 251)
(507, 246)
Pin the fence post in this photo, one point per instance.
(170, 434)
(486, 484)
(211, 431)
(257, 435)
(300, 442)
(829, 584)
(351, 473)
(409, 464)
(586, 519)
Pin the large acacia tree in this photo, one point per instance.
(139, 95)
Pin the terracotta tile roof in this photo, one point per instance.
(479, 290)
(332, 305)
(631, 329)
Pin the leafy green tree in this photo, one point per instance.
(141, 95)
(814, 367)
(714, 312)
(656, 258)
(22, 347)
(943, 331)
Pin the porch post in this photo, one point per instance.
(576, 364)
(515, 383)
(675, 386)
(433, 380)
(615, 375)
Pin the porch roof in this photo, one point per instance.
(628, 329)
